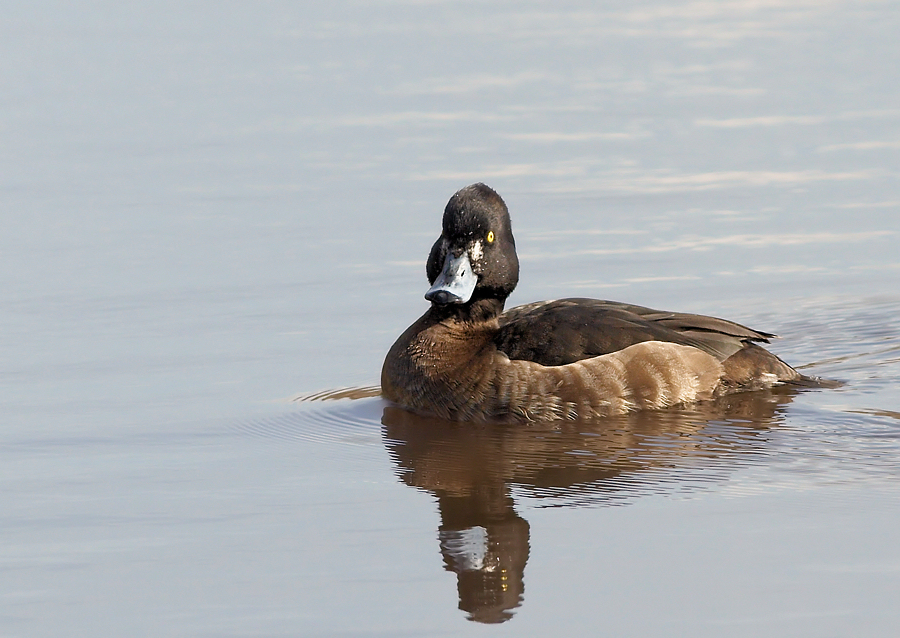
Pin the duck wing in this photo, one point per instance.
(566, 330)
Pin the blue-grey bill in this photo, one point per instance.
(456, 283)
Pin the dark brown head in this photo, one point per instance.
(474, 259)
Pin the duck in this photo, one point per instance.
(466, 359)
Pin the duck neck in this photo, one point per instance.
(476, 311)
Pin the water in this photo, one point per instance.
(210, 210)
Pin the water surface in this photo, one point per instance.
(210, 210)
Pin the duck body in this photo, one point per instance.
(465, 359)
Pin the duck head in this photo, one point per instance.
(474, 260)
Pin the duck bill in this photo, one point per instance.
(455, 284)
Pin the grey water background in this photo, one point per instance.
(211, 208)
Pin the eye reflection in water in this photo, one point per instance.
(474, 471)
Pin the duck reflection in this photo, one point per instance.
(474, 471)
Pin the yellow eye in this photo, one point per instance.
(490, 237)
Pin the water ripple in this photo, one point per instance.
(346, 415)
